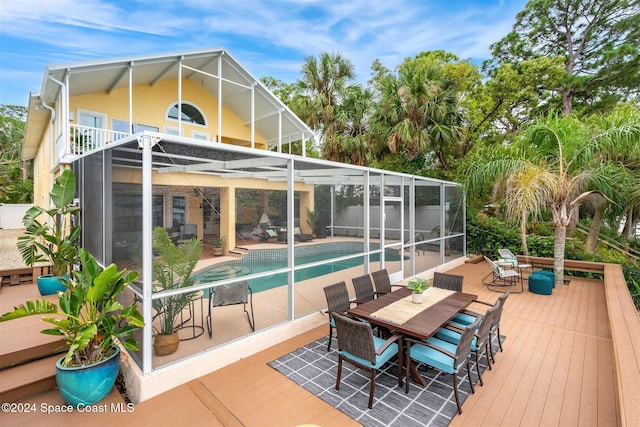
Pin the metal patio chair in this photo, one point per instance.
(232, 294)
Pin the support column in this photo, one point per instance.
(227, 217)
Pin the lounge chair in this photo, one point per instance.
(508, 256)
(501, 278)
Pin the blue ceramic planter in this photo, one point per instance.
(49, 285)
(90, 384)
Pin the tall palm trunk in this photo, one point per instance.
(558, 252)
(523, 233)
(594, 230)
(627, 231)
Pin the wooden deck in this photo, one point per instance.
(557, 368)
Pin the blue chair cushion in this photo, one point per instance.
(463, 319)
(548, 273)
(381, 359)
(435, 358)
(454, 337)
(540, 283)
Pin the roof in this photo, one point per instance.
(110, 74)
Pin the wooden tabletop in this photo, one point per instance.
(422, 325)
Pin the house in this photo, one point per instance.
(192, 142)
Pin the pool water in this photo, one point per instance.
(258, 264)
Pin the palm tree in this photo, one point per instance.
(551, 166)
(620, 133)
(417, 113)
(324, 80)
(346, 136)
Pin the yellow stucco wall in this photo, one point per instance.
(151, 104)
(150, 107)
(228, 189)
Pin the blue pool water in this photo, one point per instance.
(259, 261)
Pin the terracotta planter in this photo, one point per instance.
(166, 344)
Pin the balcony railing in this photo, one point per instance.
(84, 139)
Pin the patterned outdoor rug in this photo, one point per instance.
(315, 369)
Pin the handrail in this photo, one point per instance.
(630, 252)
(624, 324)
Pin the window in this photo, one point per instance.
(200, 135)
(123, 126)
(190, 114)
(91, 119)
(169, 130)
(179, 211)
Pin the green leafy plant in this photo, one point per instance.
(172, 270)
(90, 316)
(418, 284)
(218, 242)
(52, 241)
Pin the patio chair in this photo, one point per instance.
(444, 356)
(467, 317)
(337, 302)
(232, 294)
(507, 255)
(452, 332)
(299, 236)
(357, 345)
(501, 277)
(382, 281)
(452, 282)
(364, 289)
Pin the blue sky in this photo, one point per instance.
(269, 38)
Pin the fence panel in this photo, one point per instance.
(11, 215)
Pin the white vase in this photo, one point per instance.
(416, 297)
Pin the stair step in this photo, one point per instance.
(28, 379)
(16, 357)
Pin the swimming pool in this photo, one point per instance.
(259, 261)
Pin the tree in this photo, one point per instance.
(346, 136)
(16, 187)
(620, 133)
(551, 166)
(597, 39)
(417, 114)
(324, 80)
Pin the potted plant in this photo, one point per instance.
(218, 246)
(52, 241)
(172, 270)
(418, 285)
(89, 319)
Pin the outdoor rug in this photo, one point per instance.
(315, 369)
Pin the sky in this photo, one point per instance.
(269, 38)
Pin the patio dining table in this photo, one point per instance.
(395, 312)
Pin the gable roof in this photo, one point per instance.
(214, 70)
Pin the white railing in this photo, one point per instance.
(84, 139)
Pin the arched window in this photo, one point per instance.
(190, 114)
